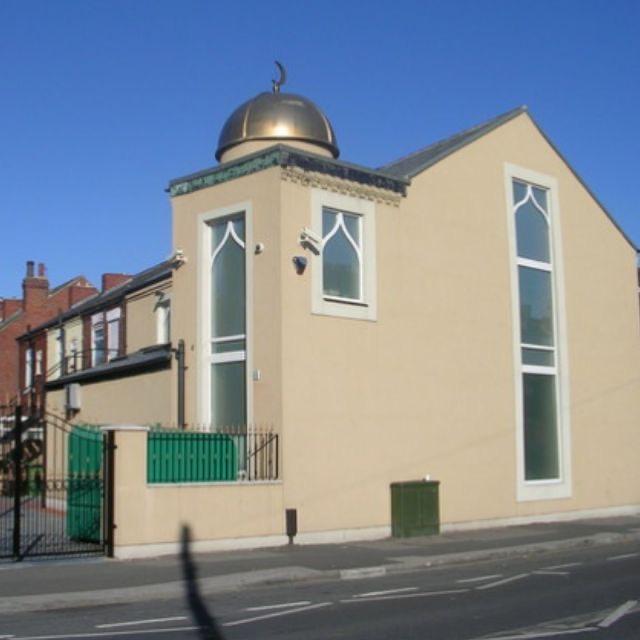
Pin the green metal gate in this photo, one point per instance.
(84, 493)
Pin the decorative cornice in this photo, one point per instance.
(290, 158)
(340, 185)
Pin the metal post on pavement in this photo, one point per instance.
(17, 484)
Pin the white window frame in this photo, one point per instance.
(39, 359)
(57, 368)
(528, 490)
(74, 356)
(113, 318)
(366, 307)
(28, 368)
(163, 318)
(97, 319)
(205, 357)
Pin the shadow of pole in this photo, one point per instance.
(207, 627)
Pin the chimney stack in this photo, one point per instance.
(111, 280)
(34, 289)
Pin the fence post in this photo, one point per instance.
(109, 489)
(17, 484)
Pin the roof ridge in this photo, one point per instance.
(68, 283)
(460, 135)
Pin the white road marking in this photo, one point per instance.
(549, 572)
(384, 593)
(108, 634)
(276, 614)
(568, 565)
(541, 634)
(284, 605)
(480, 579)
(621, 611)
(134, 622)
(625, 556)
(404, 596)
(491, 585)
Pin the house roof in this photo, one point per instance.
(281, 155)
(156, 356)
(19, 312)
(99, 301)
(68, 283)
(411, 165)
(416, 162)
(11, 318)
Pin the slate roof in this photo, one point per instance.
(156, 356)
(416, 162)
(411, 165)
(112, 296)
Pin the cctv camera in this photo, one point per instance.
(306, 235)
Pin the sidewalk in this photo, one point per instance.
(39, 585)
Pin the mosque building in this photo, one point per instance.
(467, 313)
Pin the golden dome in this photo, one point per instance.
(279, 117)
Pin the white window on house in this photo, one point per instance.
(73, 361)
(39, 362)
(341, 256)
(344, 268)
(98, 339)
(28, 368)
(57, 368)
(227, 354)
(543, 439)
(113, 319)
(163, 319)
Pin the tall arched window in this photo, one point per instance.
(228, 322)
(539, 360)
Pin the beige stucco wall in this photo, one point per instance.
(143, 399)
(72, 329)
(429, 387)
(155, 514)
(141, 319)
(262, 190)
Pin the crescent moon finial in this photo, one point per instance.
(283, 77)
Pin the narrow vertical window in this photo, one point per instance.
(73, 363)
(163, 319)
(538, 340)
(28, 368)
(58, 367)
(97, 339)
(228, 393)
(39, 362)
(342, 255)
(113, 317)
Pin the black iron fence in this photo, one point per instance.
(224, 455)
(51, 487)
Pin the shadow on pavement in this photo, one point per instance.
(208, 629)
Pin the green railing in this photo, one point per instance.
(186, 456)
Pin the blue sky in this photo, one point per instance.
(103, 102)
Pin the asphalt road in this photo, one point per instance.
(589, 593)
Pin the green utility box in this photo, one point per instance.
(415, 508)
